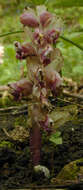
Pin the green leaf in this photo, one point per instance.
(38, 2)
(59, 118)
(81, 21)
(65, 3)
(62, 115)
(57, 134)
(55, 138)
(78, 70)
(56, 141)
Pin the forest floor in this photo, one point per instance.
(16, 169)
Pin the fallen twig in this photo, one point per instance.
(49, 186)
(80, 97)
(14, 108)
(4, 88)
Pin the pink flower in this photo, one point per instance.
(53, 80)
(45, 18)
(22, 51)
(46, 124)
(45, 59)
(39, 39)
(21, 88)
(29, 19)
(45, 55)
(51, 36)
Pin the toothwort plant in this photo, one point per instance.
(44, 62)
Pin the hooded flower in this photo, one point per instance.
(29, 19)
(46, 124)
(39, 38)
(45, 55)
(21, 88)
(43, 29)
(53, 80)
(51, 36)
(46, 26)
(25, 50)
(45, 18)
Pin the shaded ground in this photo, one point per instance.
(15, 162)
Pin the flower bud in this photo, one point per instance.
(25, 87)
(51, 36)
(28, 50)
(36, 35)
(46, 124)
(21, 88)
(38, 38)
(53, 80)
(45, 18)
(22, 51)
(45, 57)
(28, 19)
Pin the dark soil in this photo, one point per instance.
(15, 162)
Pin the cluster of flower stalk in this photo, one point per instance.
(43, 78)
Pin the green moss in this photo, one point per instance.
(6, 144)
(20, 120)
(70, 171)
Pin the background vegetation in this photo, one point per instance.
(71, 13)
